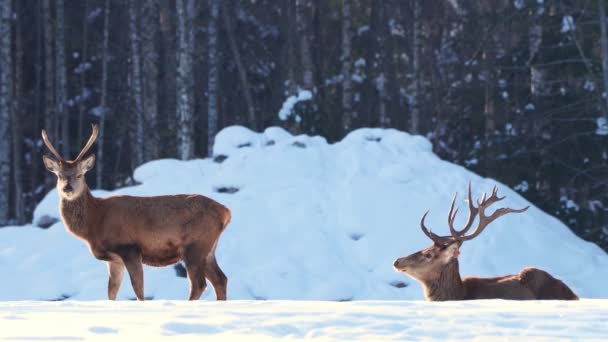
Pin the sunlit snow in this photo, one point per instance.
(310, 221)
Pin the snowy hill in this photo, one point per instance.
(311, 220)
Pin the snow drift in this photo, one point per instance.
(311, 220)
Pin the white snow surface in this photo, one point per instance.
(487, 320)
(287, 109)
(311, 221)
(602, 126)
(567, 24)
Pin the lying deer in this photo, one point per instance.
(436, 267)
(131, 231)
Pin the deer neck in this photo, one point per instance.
(76, 212)
(446, 286)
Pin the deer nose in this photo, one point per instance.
(68, 188)
(396, 263)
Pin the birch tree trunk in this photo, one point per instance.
(6, 89)
(137, 129)
(104, 93)
(489, 109)
(34, 168)
(185, 142)
(213, 75)
(227, 18)
(383, 119)
(291, 47)
(50, 119)
(368, 91)
(149, 29)
(16, 129)
(61, 83)
(303, 35)
(83, 70)
(604, 52)
(538, 75)
(347, 83)
(168, 74)
(417, 47)
(488, 66)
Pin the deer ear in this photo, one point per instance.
(87, 164)
(51, 164)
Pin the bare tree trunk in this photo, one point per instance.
(226, 16)
(185, 80)
(137, 129)
(347, 82)
(604, 51)
(368, 95)
(16, 129)
(168, 67)
(303, 34)
(489, 110)
(50, 119)
(291, 43)
(213, 76)
(104, 92)
(35, 166)
(417, 47)
(6, 89)
(83, 69)
(383, 118)
(538, 75)
(149, 25)
(488, 65)
(61, 82)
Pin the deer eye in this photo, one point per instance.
(427, 255)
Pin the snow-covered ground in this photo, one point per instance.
(311, 221)
(311, 320)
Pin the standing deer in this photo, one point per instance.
(436, 267)
(131, 231)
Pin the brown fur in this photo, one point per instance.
(128, 231)
(437, 269)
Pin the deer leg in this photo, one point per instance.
(132, 260)
(116, 271)
(195, 269)
(216, 276)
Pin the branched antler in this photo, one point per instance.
(452, 215)
(440, 240)
(484, 221)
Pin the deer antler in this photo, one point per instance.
(452, 215)
(48, 144)
(89, 143)
(484, 220)
(92, 139)
(440, 240)
(459, 235)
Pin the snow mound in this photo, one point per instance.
(310, 220)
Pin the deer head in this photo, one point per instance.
(429, 263)
(70, 173)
